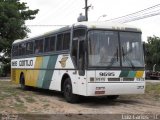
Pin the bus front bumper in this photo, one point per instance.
(102, 89)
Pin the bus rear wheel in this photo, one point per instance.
(22, 82)
(67, 91)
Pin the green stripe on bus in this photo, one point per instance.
(49, 73)
(42, 72)
(132, 74)
(124, 73)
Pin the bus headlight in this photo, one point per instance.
(139, 79)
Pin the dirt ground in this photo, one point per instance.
(13, 100)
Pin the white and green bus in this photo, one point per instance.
(85, 59)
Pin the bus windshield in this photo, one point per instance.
(112, 49)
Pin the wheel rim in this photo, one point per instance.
(68, 91)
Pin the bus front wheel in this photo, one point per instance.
(112, 97)
(67, 90)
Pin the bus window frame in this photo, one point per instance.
(63, 32)
(76, 65)
(55, 52)
(13, 49)
(50, 36)
(34, 48)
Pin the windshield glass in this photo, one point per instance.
(103, 48)
(104, 51)
(132, 52)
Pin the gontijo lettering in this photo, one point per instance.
(23, 63)
(26, 63)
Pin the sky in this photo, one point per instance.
(66, 12)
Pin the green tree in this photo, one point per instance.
(152, 52)
(13, 15)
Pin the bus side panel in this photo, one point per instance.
(78, 82)
(82, 84)
(56, 80)
(15, 73)
(50, 68)
(42, 73)
(32, 75)
(14, 76)
(64, 65)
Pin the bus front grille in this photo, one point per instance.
(113, 79)
(128, 79)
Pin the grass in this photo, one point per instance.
(18, 99)
(11, 97)
(153, 91)
(30, 99)
(19, 107)
(153, 88)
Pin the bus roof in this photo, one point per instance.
(108, 25)
(89, 25)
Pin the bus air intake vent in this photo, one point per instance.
(128, 79)
(113, 79)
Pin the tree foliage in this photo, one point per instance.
(13, 15)
(152, 55)
(12, 22)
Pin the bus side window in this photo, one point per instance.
(29, 48)
(22, 49)
(15, 50)
(59, 42)
(78, 35)
(66, 41)
(38, 46)
(52, 43)
(75, 51)
(47, 44)
(81, 62)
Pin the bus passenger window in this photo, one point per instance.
(29, 48)
(39, 46)
(52, 43)
(47, 44)
(59, 42)
(15, 50)
(66, 41)
(22, 49)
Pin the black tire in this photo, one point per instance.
(112, 97)
(67, 91)
(22, 82)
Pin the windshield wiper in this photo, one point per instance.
(113, 59)
(125, 56)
